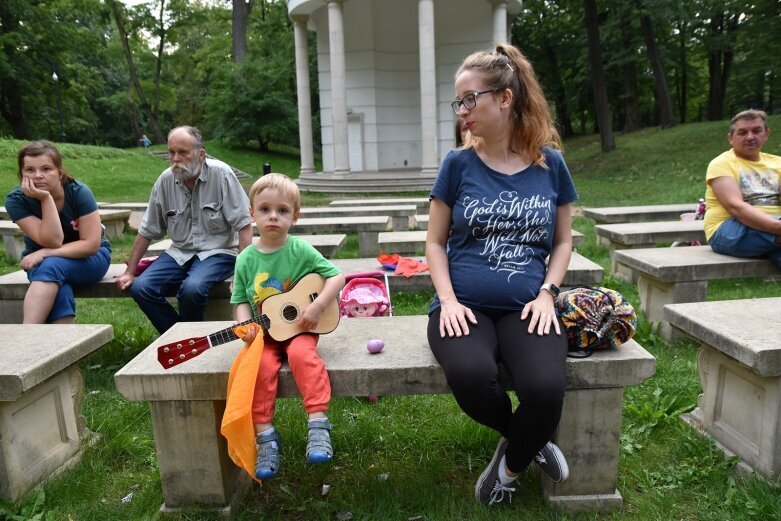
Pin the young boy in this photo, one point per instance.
(271, 265)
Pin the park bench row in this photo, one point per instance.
(13, 286)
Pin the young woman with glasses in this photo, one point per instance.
(498, 245)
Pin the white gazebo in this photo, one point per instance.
(385, 71)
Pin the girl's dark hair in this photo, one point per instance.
(43, 148)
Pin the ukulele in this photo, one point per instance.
(279, 315)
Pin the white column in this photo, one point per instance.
(304, 100)
(428, 86)
(338, 86)
(500, 20)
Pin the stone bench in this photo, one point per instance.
(136, 211)
(581, 272)
(13, 286)
(420, 202)
(366, 227)
(636, 214)
(328, 245)
(421, 221)
(739, 364)
(678, 275)
(115, 222)
(41, 388)
(646, 235)
(187, 403)
(402, 216)
(414, 242)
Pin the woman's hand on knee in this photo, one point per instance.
(454, 319)
(541, 313)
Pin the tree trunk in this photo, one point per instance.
(683, 71)
(159, 65)
(598, 76)
(632, 119)
(11, 102)
(563, 120)
(666, 118)
(132, 71)
(720, 58)
(241, 12)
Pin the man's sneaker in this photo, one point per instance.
(318, 443)
(267, 464)
(489, 489)
(552, 462)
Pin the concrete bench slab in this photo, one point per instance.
(13, 287)
(366, 227)
(739, 364)
(420, 202)
(646, 235)
(402, 216)
(646, 213)
(414, 242)
(581, 272)
(678, 275)
(42, 429)
(188, 400)
(327, 244)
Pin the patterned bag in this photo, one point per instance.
(595, 318)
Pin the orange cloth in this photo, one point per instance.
(406, 266)
(237, 426)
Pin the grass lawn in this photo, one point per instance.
(416, 457)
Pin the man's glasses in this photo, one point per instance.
(469, 101)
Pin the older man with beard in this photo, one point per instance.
(204, 209)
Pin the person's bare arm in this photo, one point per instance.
(140, 246)
(542, 309)
(727, 191)
(245, 237)
(454, 315)
(88, 243)
(46, 231)
(312, 313)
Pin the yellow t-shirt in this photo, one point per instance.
(759, 183)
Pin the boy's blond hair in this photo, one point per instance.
(282, 183)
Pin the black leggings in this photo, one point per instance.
(536, 365)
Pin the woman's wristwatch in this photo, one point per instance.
(553, 289)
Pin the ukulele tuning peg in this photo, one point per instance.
(192, 342)
(194, 352)
(181, 357)
(166, 349)
(170, 361)
(178, 346)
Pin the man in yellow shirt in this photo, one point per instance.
(743, 198)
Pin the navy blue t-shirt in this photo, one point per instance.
(79, 201)
(502, 227)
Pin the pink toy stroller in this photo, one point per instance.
(365, 296)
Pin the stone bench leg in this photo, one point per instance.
(617, 270)
(195, 469)
(11, 311)
(589, 436)
(367, 244)
(14, 246)
(751, 432)
(41, 432)
(655, 294)
(115, 228)
(400, 223)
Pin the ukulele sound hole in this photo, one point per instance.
(289, 313)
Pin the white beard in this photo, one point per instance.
(187, 172)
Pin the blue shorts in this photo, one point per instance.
(66, 272)
(734, 238)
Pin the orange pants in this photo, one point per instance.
(308, 371)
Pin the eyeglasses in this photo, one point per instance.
(469, 101)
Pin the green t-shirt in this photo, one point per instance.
(260, 275)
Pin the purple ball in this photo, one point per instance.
(375, 345)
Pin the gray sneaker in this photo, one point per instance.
(488, 489)
(552, 462)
